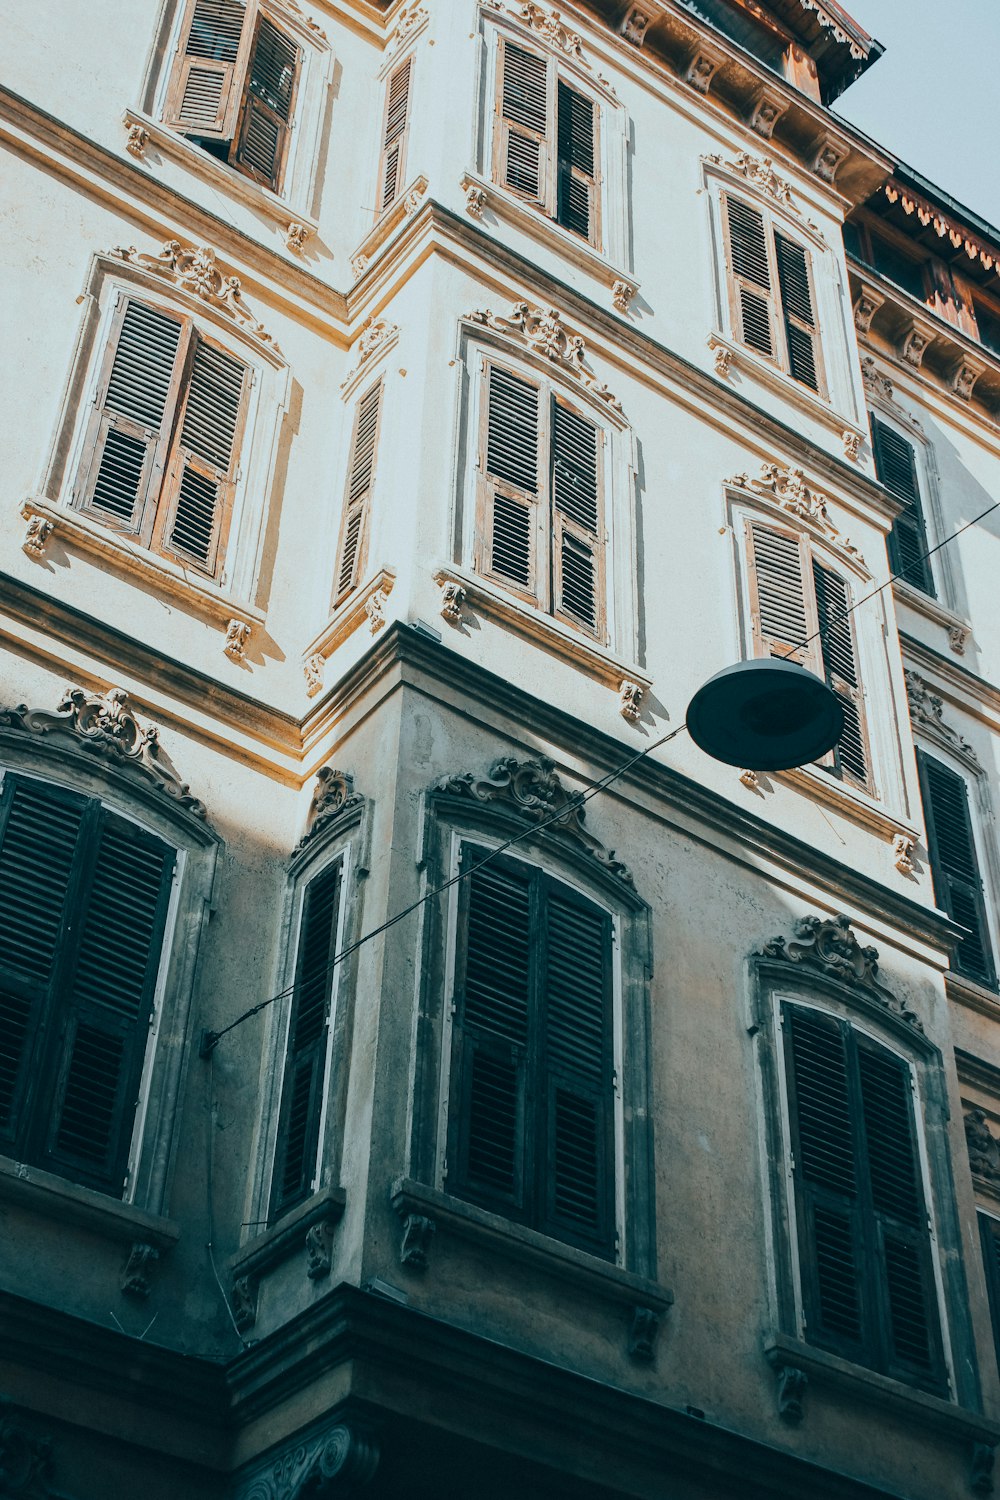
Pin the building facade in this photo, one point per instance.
(418, 1073)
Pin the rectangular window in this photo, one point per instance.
(353, 547)
(162, 447)
(771, 294)
(233, 86)
(865, 1251)
(531, 1129)
(546, 141)
(799, 609)
(958, 885)
(541, 525)
(896, 467)
(394, 134)
(989, 1239)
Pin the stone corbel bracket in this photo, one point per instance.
(827, 157)
(137, 1270)
(388, 225)
(339, 1460)
(703, 64)
(308, 1229)
(766, 108)
(914, 339)
(866, 305)
(366, 605)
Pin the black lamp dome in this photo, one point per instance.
(765, 715)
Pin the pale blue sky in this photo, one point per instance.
(933, 96)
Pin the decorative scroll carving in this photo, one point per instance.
(134, 1279)
(475, 200)
(104, 724)
(333, 794)
(791, 1393)
(622, 293)
(759, 171)
(981, 1468)
(788, 487)
(958, 638)
(545, 334)
(642, 1335)
(927, 713)
(630, 701)
(852, 444)
(244, 1302)
(136, 141)
(296, 236)
(452, 599)
(319, 1249)
(827, 158)
(375, 609)
(238, 632)
(409, 20)
(723, 357)
(766, 108)
(964, 376)
(829, 944)
(635, 24)
(339, 1462)
(534, 791)
(194, 268)
(902, 853)
(550, 28)
(38, 532)
(25, 1461)
(705, 62)
(983, 1147)
(866, 305)
(418, 1232)
(913, 341)
(876, 383)
(359, 265)
(314, 669)
(375, 333)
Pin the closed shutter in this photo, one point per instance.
(750, 273)
(129, 432)
(577, 529)
(801, 332)
(360, 479)
(958, 885)
(196, 517)
(204, 92)
(265, 120)
(781, 604)
(308, 1029)
(508, 532)
(523, 126)
(576, 185)
(394, 135)
(989, 1239)
(896, 466)
(837, 644)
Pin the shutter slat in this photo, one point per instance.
(577, 576)
(272, 69)
(201, 99)
(797, 306)
(396, 119)
(211, 415)
(512, 441)
(360, 479)
(896, 467)
(749, 265)
(497, 962)
(36, 861)
(838, 650)
(781, 599)
(574, 466)
(958, 887)
(575, 141)
(524, 88)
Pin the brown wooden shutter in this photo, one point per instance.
(129, 433)
(839, 655)
(265, 118)
(576, 185)
(360, 480)
(751, 279)
(577, 524)
(203, 97)
(305, 1058)
(989, 1239)
(523, 125)
(393, 163)
(801, 331)
(958, 885)
(896, 467)
(781, 601)
(509, 517)
(194, 520)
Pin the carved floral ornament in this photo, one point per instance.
(104, 724)
(333, 794)
(788, 488)
(544, 333)
(549, 27)
(829, 945)
(194, 268)
(375, 335)
(533, 790)
(26, 1466)
(927, 714)
(759, 172)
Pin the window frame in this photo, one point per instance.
(971, 774)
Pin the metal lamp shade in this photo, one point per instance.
(765, 715)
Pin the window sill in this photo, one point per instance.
(850, 801)
(544, 631)
(54, 1197)
(158, 573)
(288, 1236)
(365, 604)
(904, 1401)
(492, 1232)
(481, 194)
(386, 226)
(923, 604)
(729, 353)
(258, 198)
(972, 994)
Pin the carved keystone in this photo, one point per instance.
(417, 1234)
(791, 1393)
(134, 1279)
(642, 1334)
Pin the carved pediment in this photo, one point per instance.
(829, 945)
(927, 715)
(333, 794)
(376, 335)
(544, 333)
(533, 790)
(548, 26)
(788, 488)
(104, 724)
(194, 268)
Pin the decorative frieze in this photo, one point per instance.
(544, 333)
(38, 532)
(927, 715)
(375, 335)
(829, 945)
(630, 696)
(866, 305)
(452, 600)
(787, 486)
(333, 794)
(766, 108)
(194, 269)
(759, 172)
(418, 1231)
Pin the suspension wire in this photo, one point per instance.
(210, 1039)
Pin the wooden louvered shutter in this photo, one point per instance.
(508, 540)
(781, 601)
(490, 1128)
(308, 1029)
(839, 653)
(203, 97)
(958, 885)
(393, 162)
(801, 331)
(577, 524)
(989, 1239)
(194, 521)
(265, 120)
(129, 434)
(360, 479)
(751, 279)
(523, 126)
(575, 1065)
(577, 196)
(896, 466)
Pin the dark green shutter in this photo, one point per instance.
(958, 886)
(576, 529)
(797, 310)
(576, 166)
(267, 107)
(989, 1239)
(833, 603)
(896, 467)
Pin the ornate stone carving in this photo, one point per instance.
(314, 26)
(827, 158)
(723, 357)
(38, 532)
(750, 780)
(913, 341)
(25, 1460)
(852, 444)
(983, 1147)
(766, 108)
(642, 1335)
(866, 305)
(791, 1393)
(789, 488)
(418, 1231)
(452, 599)
(134, 1279)
(543, 331)
(104, 724)
(630, 701)
(194, 268)
(635, 24)
(981, 1468)
(964, 376)
(238, 632)
(622, 293)
(136, 141)
(338, 1462)
(829, 944)
(359, 265)
(296, 236)
(759, 171)
(902, 853)
(409, 20)
(927, 713)
(375, 333)
(876, 384)
(319, 1250)
(244, 1302)
(414, 198)
(314, 668)
(549, 26)
(702, 68)
(533, 790)
(475, 200)
(332, 795)
(375, 610)
(958, 638)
